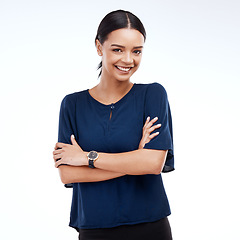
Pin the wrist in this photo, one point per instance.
(84, 158)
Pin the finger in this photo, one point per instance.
(73, 140)
(151, 122)
(153, 135)
(60, 150)
(154, 119)
(55, 147)
(149, 129)
(57, 157)
(147, 121)
(57, 163)
(155, 127)
(60, 145)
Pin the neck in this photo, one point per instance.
(113, 89)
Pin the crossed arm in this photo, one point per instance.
(109, 166)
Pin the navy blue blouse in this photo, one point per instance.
(129, 199)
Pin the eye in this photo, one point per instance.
(138, 52)
(117, 50)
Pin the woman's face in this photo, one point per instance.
(121, 53)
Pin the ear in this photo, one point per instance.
(99, 47)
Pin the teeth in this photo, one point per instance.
(123, 69)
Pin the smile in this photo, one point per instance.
(125, 69)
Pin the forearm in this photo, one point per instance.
(72, 174)
(137, 162)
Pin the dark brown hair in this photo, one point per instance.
(116, 20)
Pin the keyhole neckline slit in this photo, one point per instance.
(109, 105)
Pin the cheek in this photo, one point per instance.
(110, 59)
(138, 61)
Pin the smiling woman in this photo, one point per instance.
(118, 20)
(108, 149)
(121, 53)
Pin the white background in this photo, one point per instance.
(47, 51)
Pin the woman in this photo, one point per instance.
(108, 147)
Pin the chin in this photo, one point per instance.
(123, 78)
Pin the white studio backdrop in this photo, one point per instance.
(47, 51)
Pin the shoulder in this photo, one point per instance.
(156, 87)
(151, 86)
(153, 89)
(72, 98)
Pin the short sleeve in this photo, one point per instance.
(66, 123)
(66, 120)
(156, 105)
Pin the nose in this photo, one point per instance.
(127, 58)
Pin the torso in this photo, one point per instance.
(130, 199)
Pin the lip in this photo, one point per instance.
(123, 69)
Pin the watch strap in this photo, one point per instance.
(91, 163)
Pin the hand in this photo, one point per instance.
(147, 129)
(69, 154)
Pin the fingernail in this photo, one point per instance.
(159, 125)
(148, 118)
(72, 136)
(157, 132)
(156, 118)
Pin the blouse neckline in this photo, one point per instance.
(107, 105)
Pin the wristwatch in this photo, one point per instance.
(92, 157)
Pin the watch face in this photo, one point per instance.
(92, 154)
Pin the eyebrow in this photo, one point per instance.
(117, 45)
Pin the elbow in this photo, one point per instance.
(64, 180)
(63, 175)
(158, 168)
(159, 162)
